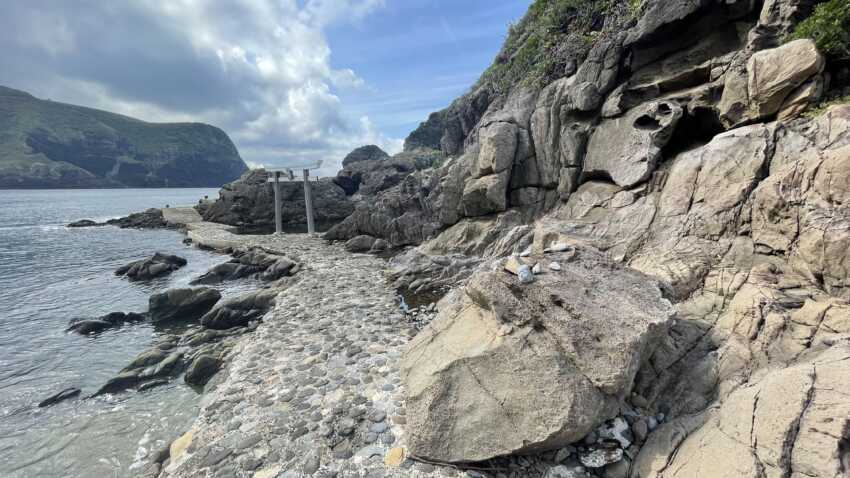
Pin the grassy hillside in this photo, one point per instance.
(48, 144)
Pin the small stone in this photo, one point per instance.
(378, 427)
(525, 275)
(394, 457)
(554, 266)
(599, 457)
(537, 269)
(378, 416)
(215, 457)
(562, 455)
(370, 437)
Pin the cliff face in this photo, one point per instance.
(44, 144)
(667, 136)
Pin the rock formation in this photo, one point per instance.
(568, 345)
(182, 304)
(248, 203)
(157, 265)
(669, 136)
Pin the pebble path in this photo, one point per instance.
(315, 391)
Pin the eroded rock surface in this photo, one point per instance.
(518, 368)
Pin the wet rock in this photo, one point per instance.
(240, 310)
(59, 397)
(113, 319)
(156, 266)
(149, 219)
(85, 223)
(182, 304)
(576, 327)
(202, 369)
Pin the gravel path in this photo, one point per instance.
(315, 391)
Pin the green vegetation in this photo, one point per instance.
(815, 111)
(49, 144)
(533, 52)
(829, 27)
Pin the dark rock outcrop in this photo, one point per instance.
(66, 394)
(149, 219)
(202, 369)
(108, 321)
(187, 304)
(157, 265)
(250, 263)
(239, 311)
(85, 223)
(248, 203)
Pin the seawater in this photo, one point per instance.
(50, 274)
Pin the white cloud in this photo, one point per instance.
(260, 69)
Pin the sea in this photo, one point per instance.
(50, 274)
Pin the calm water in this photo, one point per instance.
(50, 274)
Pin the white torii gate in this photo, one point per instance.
(289, 172)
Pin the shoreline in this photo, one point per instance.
(314, 389)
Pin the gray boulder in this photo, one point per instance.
(360, 243)
(155, 266)
(628, 149)
(202, 369)
(240, 310)
(182, 304)
(517, 368)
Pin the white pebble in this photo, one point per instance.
(554, 266)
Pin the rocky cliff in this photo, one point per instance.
(691, 142)
(45, 144)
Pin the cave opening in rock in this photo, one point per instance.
(696, 128)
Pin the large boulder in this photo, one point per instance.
(628, 149)
(239, 310)
(182, 304)
(510, 368)
(771, 76)
(155, 266)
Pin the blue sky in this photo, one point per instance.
(288, 80)
(418, 55)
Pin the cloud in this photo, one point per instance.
(260, 69)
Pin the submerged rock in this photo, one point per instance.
(59, 397)
(85, 223)
(541, 365)
(113, 319)
(155, 266)
(182, 304)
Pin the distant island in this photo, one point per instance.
(46, 144)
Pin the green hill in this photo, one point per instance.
(45, 144)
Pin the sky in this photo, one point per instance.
(290, 81)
